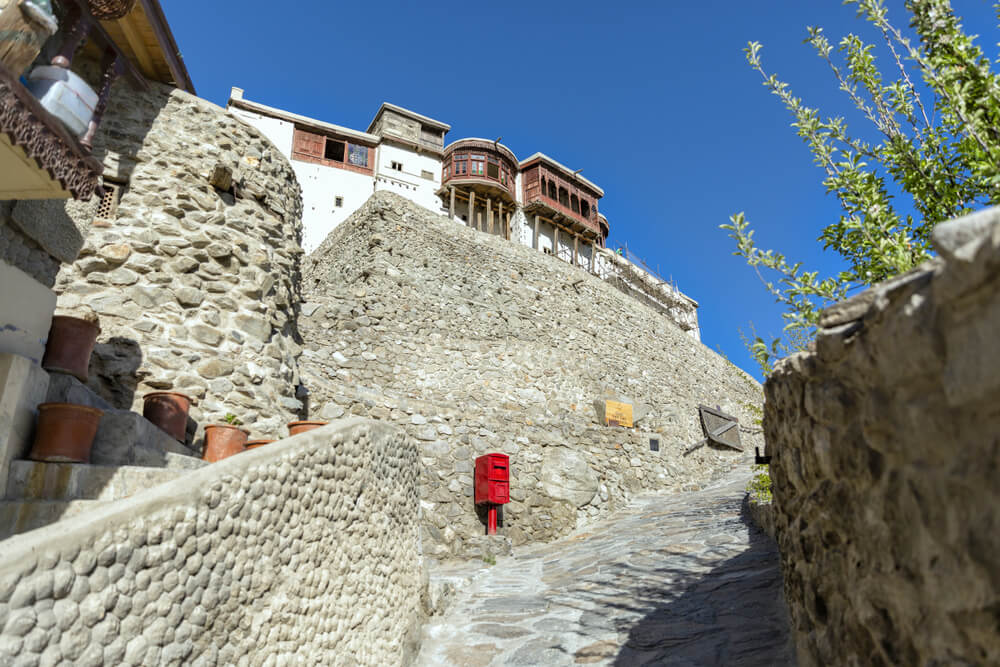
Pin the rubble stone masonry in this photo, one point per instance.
(886, 460)
(195, 276)
(474, 344)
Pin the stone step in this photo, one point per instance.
(123, 437)
(34, 480)
(19, 516)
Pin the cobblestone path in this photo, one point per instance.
(677, 580)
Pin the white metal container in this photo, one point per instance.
(64, 95)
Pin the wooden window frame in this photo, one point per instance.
(310, 146)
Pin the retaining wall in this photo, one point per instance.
(306, 551)
(886, 455)
(475, 344)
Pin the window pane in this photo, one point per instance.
(478, 157)
(334, 150)
(493, 171)
(357, 155)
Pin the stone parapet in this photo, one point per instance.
(884, 462)
(306, 547)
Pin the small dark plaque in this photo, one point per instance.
(654, 444)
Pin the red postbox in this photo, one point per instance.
(492, 485)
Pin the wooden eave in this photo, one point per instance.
(144, 36)
(39, 158)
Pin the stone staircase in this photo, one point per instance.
(129, 455)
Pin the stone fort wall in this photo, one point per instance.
(475, 344)
(885, 465)
(308, 548)
(194, 278)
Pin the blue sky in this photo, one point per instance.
(653, 100)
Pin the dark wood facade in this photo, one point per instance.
(333, 151)
(485, 167)
(561, 197)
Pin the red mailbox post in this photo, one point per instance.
(492, 482)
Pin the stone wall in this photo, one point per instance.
(886, 455)
(476, 344)
(195, 277)
(303, 551)
(21, 251)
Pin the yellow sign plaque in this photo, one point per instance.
(619, 414)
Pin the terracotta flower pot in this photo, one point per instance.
(65, 433)
(260, 442)
(71, 340)
(169, 411)
(223, 441)
(294, 428)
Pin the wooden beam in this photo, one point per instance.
(489, 215)
(576, 240)
(138, 45)
(500, 217)
(451, 205)
(555, 243)
(472, 208)
(593, 253)
(537, 245)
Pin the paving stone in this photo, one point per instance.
(682, 579)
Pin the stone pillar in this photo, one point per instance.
(472, 208)
(451, 205)
(536, 246)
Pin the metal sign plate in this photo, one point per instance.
(618, 414)
(720, 428)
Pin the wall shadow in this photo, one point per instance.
(686, 608)
(734, 614)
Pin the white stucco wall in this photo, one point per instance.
(321, 185)
(409, 182)
(280, 132)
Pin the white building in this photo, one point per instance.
(537, 202)
(339, 168)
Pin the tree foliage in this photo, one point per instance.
(935, 106)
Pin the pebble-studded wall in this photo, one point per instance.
(306, 551)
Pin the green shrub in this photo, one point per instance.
(759, 486)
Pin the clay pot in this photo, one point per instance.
(260, 442)
(169, 411)
(65, 433)
(294, 428)
(223, 441)
(71, 340)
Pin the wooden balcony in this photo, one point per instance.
(39, 158)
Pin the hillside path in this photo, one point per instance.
(670, 580)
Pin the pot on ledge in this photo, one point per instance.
(294, 428)
(223, 441)
(65, 433)
(71, 340)
(169, 411)
(259, 442)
